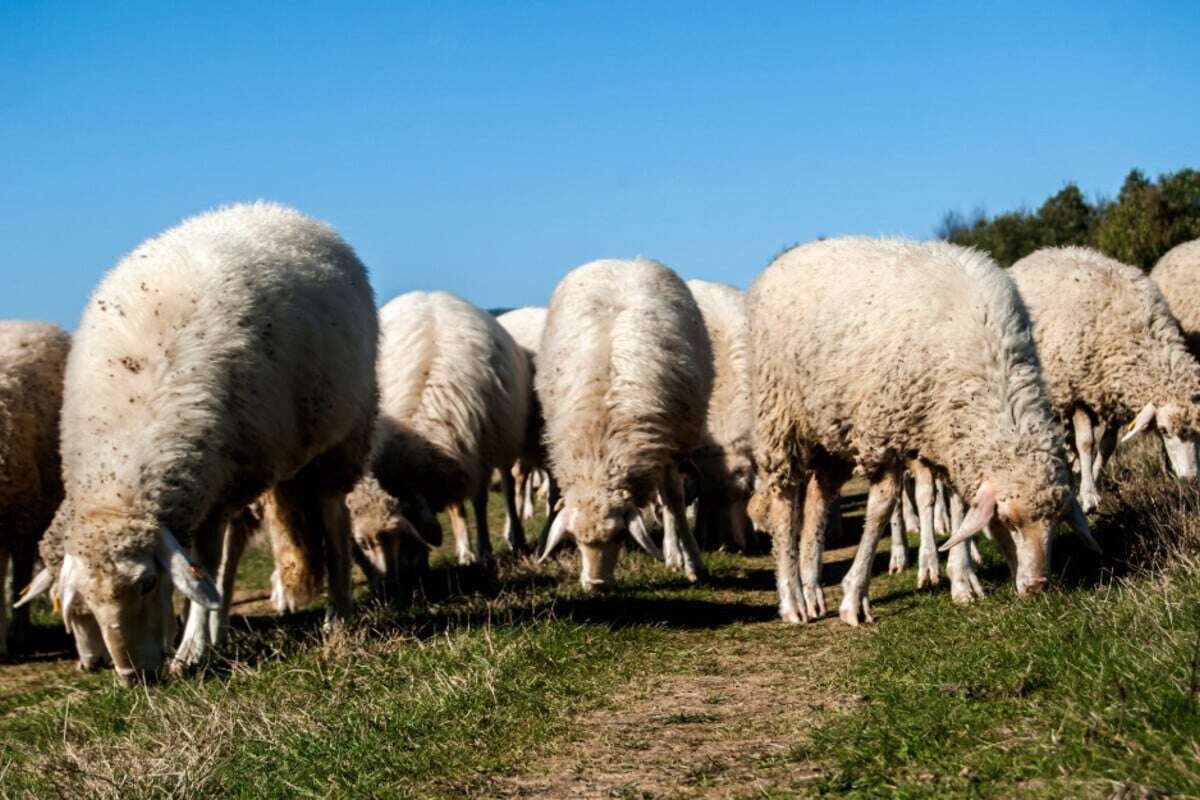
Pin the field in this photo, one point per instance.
(515, 684)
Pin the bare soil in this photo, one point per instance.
(729, 722)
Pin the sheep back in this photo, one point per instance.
(454, 395)
(1105, 335)
(213, 362)
(876, 351)
(624, 376)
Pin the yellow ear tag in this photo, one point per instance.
(54, 596)
(1131, 425)
(25, 591)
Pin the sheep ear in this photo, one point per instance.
(983, 508)
(1078, 522)
(187, 577)
(66, 588)
(1141, 422)
(40, 583)
(560, 530)
(637, 529)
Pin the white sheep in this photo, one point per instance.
(525, 325)
(624, 376)
(1177, 275)
(883, 354)
(232, 354)
(724, 459)
(33, 356)
(454, 396)
(390, 550)
(1111, 352)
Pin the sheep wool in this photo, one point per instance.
(454, 397)
(1177, 275)
(230, 355)
(624, 377)
(33, 356)
(875, 353)
(724, 459)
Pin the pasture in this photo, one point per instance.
(514, 683)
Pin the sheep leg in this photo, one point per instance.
(236, 534)
(552, 497)
(964, 584)
(899, 551)
(483, 537)
(4, 601)
(675, 526)
(925, 491)
(881, 498)
(1106, 437)
(1081, 424)
(193, 647)
(23, 557)
(520, 478)
(335, 521)
(780, 513)
(514, 532)
(819, 503)
(462, 533)
(527, 494)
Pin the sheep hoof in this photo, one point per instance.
(789, 616)
(928, 576)
(850, 611)
(467, 559)
(814, 602)
(898, 563)
(963, 595)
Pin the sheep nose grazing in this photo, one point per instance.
(1032, 587)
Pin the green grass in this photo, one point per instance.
(1092, 689)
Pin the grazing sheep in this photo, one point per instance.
(454, 396)
(33, 356)
(1110, 352)
(1177, 275)
(232, 354)
(525, 325)
(624, 376)
(391, 552)
(724, 459)
(883, 354)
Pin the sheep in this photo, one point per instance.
(1177, 275)
(723, 460)
(525, 325)
(230, 355)
(33, 356)
(624, 377)
(883, 354)
(389, 549)
(1111, 351)
(453, 405)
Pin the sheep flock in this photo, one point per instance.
(236, 374)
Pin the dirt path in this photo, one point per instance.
(728, 722)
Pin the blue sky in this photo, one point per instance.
(489, 148)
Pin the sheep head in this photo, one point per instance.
(597, 520)
(1179, 426)
(116, 582)
(1023, 533)
(388, 547)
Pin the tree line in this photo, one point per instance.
(1147, 219)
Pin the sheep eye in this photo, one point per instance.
(146, 585)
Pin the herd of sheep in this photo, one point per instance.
(234, 374)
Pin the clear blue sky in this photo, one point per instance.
(489, 148)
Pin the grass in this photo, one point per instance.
(1092, 689)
